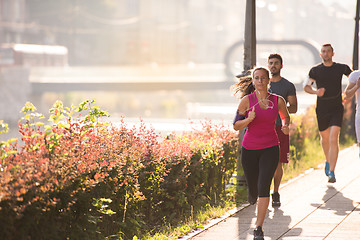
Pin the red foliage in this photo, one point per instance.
(47, 160)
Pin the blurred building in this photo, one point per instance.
(127, 31)
(12, 20)
(156, 32)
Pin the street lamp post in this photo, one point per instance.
(250, 35)
(355, 62)
(356, 38)
(249, 63)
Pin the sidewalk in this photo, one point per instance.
(311, 208)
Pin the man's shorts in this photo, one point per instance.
(284, 141)
(333, 117)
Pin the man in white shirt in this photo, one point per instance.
(353, 88)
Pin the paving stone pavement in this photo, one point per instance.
(311, 208)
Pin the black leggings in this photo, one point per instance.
(259, 168)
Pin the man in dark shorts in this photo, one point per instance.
(286, 89)
(329, 108)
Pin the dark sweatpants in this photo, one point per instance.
(259, 168)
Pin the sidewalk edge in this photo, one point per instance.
(235, 210)
(215, 221)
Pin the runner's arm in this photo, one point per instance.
(243, 120)
(309, 88)
(292, 100)
(351, 88)
(284, 115)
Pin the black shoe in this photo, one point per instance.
(275, 199)
(258, 233)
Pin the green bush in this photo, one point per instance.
(82, 178)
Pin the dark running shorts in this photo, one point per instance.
(284, 141)
(332, 117)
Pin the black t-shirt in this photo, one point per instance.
(329, 78)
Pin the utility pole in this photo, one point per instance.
(355, 63)
(249, 63)
(250, 36)
(356, 38)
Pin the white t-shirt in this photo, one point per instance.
(354, 76)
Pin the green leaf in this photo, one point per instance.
(4, 127)
(64, 125)
(28, 108)
(39, 123)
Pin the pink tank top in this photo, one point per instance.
(261, 131)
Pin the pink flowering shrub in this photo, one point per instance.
(82, 178)
(75, 176)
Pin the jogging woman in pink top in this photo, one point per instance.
(258, 110)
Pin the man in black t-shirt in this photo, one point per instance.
(329, 108)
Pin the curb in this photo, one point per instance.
(215, 221)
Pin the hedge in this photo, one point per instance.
(76, 176)
(82, 178)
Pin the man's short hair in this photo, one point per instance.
(275, 55)
(328, 45)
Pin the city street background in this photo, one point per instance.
(140, 41)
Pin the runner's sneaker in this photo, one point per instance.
(327, 168)
(258, 233)
(332, 178)
(276, 199)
